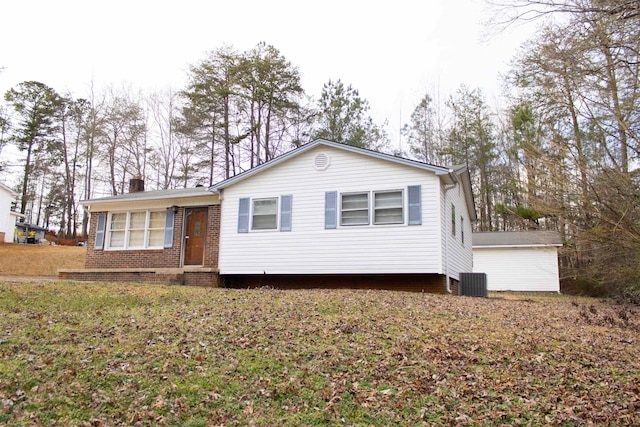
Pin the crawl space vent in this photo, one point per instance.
(321, 162)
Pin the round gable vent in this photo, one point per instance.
(321, 162)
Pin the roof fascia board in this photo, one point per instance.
(107, 202)
(463, 176)
(13, 193)
(150, 195)
(513, 245)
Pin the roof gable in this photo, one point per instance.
(445, 173)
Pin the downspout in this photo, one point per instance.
(448, 229)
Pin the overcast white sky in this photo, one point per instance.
(391, 51)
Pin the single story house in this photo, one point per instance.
(7, 216)
(322, 215)
(519, 260)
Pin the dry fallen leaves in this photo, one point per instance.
(106, 354)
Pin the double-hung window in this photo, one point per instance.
(265, 214)
(137, 226)
(387, 207)
(117, 230)
(354, 209)
(136, 230)
(379, 207)
(156, 229)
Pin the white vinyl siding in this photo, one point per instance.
(457, 256)
(315, 245)
(518, 268)
(136, 230)
(7, 216)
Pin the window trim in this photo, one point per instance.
(127, 230)
(144, 229)
(371, 208)
(160, 228)
(109, 231)
(342, 210)
(401, 207)
(277, 214)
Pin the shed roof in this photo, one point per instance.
(30, 226)
(516, 238)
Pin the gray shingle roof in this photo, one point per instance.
(153, 195)
(517, 238)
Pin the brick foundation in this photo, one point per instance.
(177, 276)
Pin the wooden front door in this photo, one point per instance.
(196, 231)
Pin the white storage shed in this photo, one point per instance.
(518, 261)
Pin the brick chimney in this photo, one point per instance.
(136, 184)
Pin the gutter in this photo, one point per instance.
(536, 245)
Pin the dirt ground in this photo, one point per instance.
(20, 260)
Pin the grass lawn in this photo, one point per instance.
(131, 354)
(39, 260)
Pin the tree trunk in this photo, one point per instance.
(25, 179)
(227, 138)
(617, 110)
